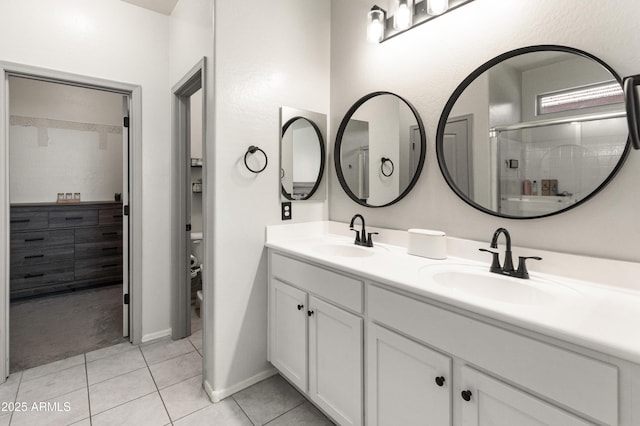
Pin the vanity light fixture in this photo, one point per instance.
(406, 14)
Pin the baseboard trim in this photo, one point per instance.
(157, 335)
(219, 395)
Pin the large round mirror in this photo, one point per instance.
(380, 149)
(302, 158)
(533, 132)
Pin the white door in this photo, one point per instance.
(457, 154)
(408, 384)
(335, 361)
(490, 402)
(288, 332)
(125, 218)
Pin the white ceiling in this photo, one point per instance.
(161, 6)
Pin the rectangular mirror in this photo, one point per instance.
(302, 155)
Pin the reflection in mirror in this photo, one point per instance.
(302, 154)
(380, 149)
(533, 132)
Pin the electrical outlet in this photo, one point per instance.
(286, 210)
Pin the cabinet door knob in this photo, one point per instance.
(300, 307)
(466, 395)
(440, 381)
(309, 313)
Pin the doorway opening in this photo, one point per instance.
(70, 239)
(189, 195)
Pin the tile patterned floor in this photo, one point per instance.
(158, 383)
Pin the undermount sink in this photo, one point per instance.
(480, 283)
(343, 249)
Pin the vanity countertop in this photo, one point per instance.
(603, 315)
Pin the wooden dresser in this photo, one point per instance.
(58, 247)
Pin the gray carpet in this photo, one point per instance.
(51, 328)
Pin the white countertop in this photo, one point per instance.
(603, 315)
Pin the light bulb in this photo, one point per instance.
(375, 26)
(437, 7)
(403, 15)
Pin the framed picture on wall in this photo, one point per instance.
(68, 196)
(76, 196)
(60, 196)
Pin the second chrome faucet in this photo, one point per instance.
(507, 268)
(363, 238)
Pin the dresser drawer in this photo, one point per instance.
(337, 288)
(26, 257)
(98, 234)
(39, 239)
(40, 275)
(110, 216)
(104, 267)
(25, 218)
(99, 249)
(65, 218)
(584, 384)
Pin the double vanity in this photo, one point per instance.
(375, 336)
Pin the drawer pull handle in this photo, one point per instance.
(20, 220)
(300, 307)
(111, 265)
(309, 313)
(440, 381)
(33, 275)
(466, 395)
(109, 233)
(30, 240)
(109, 248)
(73, 218)
(34, 256)
(117, 216)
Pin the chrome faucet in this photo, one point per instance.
(508, 268)
(362, 238)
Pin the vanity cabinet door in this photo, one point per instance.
(288, 335)
(489, 402)
(335, 361)
(407, 383)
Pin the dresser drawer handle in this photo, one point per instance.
(109, 248)
(33, 275)
(34, 256)
(30, 240)
(111, 265)
(20, 220)
(117, 216)
(109, 233)
(73, 218)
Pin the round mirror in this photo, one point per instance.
(533, 132)
(380, 149)
(302, 157)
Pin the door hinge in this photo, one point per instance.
(125, 210)
(126, 299)
(188, 227)
(126, 122)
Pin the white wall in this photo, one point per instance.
(267, 55)
(120, 42)
(63, 138)
(434, 58)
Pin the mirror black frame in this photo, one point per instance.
(338, 144)
(475, 74)
(322, 157)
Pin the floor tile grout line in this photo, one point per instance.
(243, 412)
(86, 375)
(114, 377)
(157, 388)
(122, 403)
(15, 398)
(304, 401)
(48, 374)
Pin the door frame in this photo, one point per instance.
(135, 197)
(190, 83)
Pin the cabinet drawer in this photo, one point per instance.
(98, 234)
(64, 218)
(586, 385)
(39, 275)
(28, 218)
(103, 267)
(36, 256)
(110, 216)
(341, 290)
(39, 239)
(93, 250)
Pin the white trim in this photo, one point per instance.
(219, 395)
(154, 336)
(135, 202)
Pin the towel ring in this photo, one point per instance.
(386, 160)
(252, 150)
